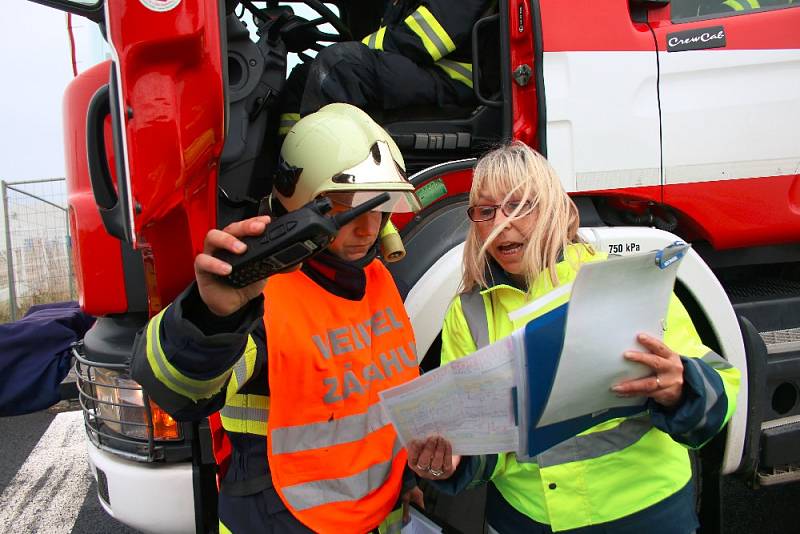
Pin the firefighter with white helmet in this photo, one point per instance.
(297, 360)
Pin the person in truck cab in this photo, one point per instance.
(294, 363)
(627, 475)
(420, 55)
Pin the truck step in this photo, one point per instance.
(779, 455)
(781, 341)
(772, 305)
(779, 475)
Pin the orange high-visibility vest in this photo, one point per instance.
(336, 461)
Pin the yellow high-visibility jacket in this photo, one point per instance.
(617, 468)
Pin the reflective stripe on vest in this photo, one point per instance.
(335, 460)
(328, 433)
(333, 490)
(596, 444)
(474, 311)
(433, 36)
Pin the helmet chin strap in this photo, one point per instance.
(271, 206)
(368, 257)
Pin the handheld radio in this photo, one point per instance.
(290, 239)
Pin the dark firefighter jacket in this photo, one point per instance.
(198, 346)
(431, 32)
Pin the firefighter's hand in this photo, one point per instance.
(665, 385)
(413, 495)
(221, 298)
(432, 458)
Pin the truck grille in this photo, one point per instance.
(113, 423)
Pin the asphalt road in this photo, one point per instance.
(45, 482)
(46, 485)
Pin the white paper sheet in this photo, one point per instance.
(611, 303)
(469, 402)
(419, 524)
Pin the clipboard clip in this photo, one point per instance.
(670, 254)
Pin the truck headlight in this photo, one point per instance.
(120, 406)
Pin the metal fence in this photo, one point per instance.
(36, 265)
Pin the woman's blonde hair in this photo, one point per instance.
(516, 170)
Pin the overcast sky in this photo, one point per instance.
(36, 68)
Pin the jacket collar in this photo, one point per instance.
(342, 278)
(496, 277)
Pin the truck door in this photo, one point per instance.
(730, 106)
(168, 109)
(599, 78)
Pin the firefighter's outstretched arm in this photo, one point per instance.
(202, 348)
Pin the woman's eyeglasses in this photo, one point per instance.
(482, 213)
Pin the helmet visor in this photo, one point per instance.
(379, 167)
(399, 201)
(377, 173)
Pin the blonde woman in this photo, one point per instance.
(626, 475)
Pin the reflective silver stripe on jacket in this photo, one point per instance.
(171, 377)
(597, 444)
(245, 414)
(330, 490)
(460, 71)
(240, 371)
(474, 312)
(328, 433)
(716, 361)
(429, 32)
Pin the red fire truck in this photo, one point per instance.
(662, 118)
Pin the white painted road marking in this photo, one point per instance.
(48, 491)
